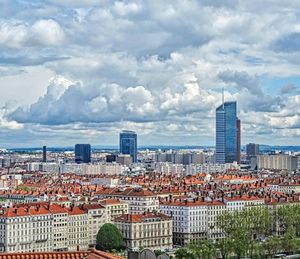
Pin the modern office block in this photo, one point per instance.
(228, 133)
(44, 154)
(82, 153)
(128, 144)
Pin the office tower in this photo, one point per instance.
(44, 154)
(238, 148)
(252, 149)
(82, 153)
(228, 133)
(128, 144)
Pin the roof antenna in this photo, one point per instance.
(223, 98)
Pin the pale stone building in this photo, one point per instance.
(139, 200)
(148, 230)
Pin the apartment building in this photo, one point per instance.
(114, 208)
(286, 187)
(60, 227)
(238, 203)
(277, 162)
(193, 220)
(189, 220)
(147, 230)
(214, 210)
(97, 217)
(43, 227)
(26, 230)
(139, 200)
(77, 226)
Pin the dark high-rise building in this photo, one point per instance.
(238, 155)
(228, 133)
(252, 150)
(111, 158)
(128, 144)
(44, 154)
(82, 153)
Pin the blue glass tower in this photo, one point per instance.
(82, 153)
(128, 144)
(227, 133)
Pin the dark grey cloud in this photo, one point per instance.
(25, 60)
(288, 43)
(242, 80)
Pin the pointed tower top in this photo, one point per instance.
(223, 98)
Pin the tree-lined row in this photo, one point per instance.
(256, 232)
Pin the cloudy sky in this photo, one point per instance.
(80, 71)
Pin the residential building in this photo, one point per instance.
(193, 220)
(277, 162)
(97, 217)
(60, 227)
(26, 229)
(114, 208)
(77, 229)
(139, 200)
(148, 230)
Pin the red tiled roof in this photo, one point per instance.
(134, 218)
(94, 254)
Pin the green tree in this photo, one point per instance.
(225, 246)
(183, 253)
(204, 249)
(272, 245)
(241, 240)
(290, 242)
(109, 237)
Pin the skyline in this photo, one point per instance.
(81, 72)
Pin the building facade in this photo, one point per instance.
(193, 220)
(252, 150)
(277, 162)
(45, 228)
(139, 200)
(82, 153)
(227, 133)
(128, 144)
(148, 230)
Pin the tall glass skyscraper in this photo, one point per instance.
(128, 144)
(82, 153)
(227, 133)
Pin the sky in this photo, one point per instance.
(81, 71)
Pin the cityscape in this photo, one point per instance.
(149, 129)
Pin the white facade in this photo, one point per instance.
(193, 221)
(26, 231)
(277, 162)
(78, 238)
